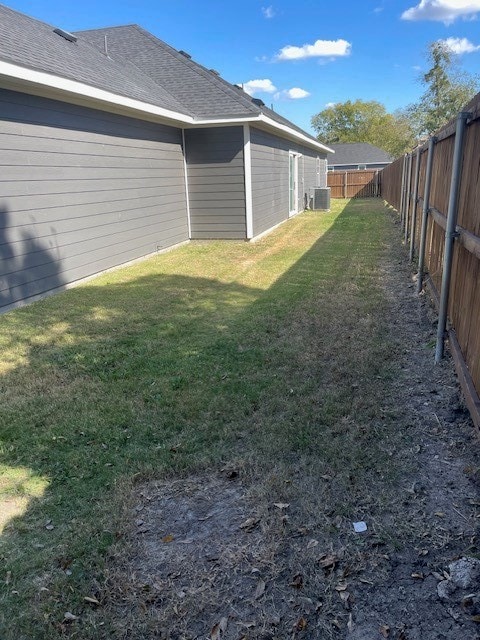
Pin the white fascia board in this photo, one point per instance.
(295, 134)
(247, 160)
(80, 89)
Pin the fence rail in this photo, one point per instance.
(354, 184)
(441, 224)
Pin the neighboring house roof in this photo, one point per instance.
(357, 153)
(136, 66)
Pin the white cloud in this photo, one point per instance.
(259, 86)
(268, 12)
(329, 105)
(460, 45)
(295, 93)
(320, 48)
(446, 11)
(378, 10)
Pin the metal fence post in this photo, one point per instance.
(450, 232)
(407, 199)
(425, 210)
(414, 207)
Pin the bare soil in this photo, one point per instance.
(214, 555)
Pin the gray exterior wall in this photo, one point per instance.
(216, 182)
(81, 191)
(270, 179)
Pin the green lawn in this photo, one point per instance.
(275, 353)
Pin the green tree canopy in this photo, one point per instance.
(447, 91)
(364, 121)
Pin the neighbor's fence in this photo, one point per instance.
(436, 190)
(354, 183)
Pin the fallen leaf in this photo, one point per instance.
(49, 527)
(249, 524)
(350, 625)
(297, 581)
(475, 618)
(327, 560)
(312, 543)
(341, 586)
(8, 577)
(385, 630)
(218, 629)
(439, 514)
(168, 538)
(260, 590)
(301, 624)
(365, 581)
(418, 576)
(91, 600)
(281, 505)
(345, 598)
(69, 617)
(437, 576)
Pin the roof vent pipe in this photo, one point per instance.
(184, 53)
(65, 34)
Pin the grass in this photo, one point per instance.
(274, 356)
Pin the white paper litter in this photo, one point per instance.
(359, 527)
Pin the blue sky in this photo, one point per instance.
(307, 53)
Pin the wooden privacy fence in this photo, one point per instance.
(436, 190)
(354, 184)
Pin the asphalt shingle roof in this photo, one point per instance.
(138, 66)
(202, 92)
(33, 44)
(357, 153)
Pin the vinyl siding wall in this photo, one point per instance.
(216, 182)
(81, 191)
(270, 179)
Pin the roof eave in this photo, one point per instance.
(23, 77)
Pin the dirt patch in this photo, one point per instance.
(266, 550)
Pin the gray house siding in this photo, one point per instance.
(81, 191)
(270, 177)
(216, 182)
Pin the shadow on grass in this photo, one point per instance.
(171, 373)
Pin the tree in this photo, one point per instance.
(364, 121)
(447, 91)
